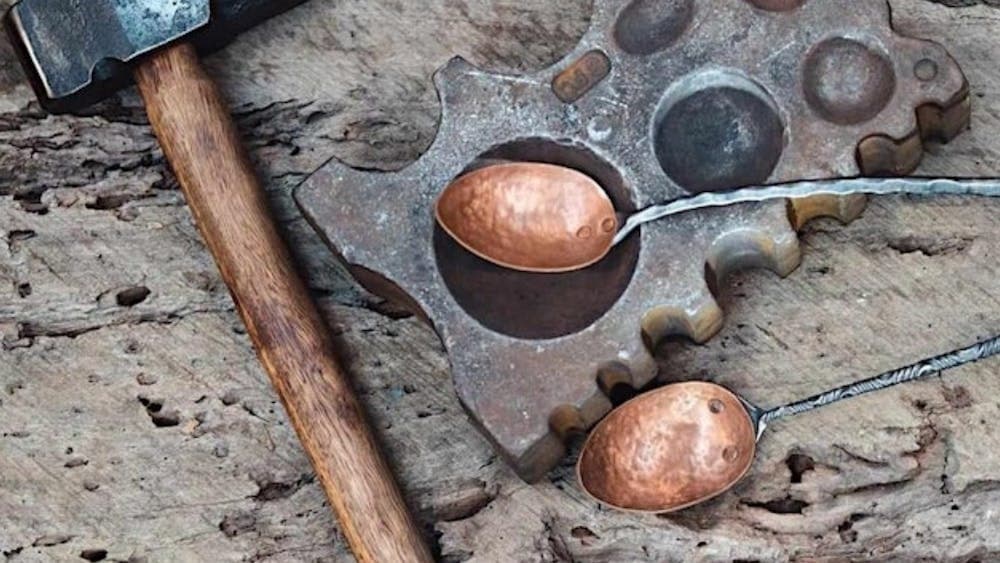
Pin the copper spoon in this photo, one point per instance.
(545, 218)
(685, 443)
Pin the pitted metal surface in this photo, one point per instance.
(661, 99)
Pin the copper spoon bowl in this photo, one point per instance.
(685, 443)
(529, 216)
(669, 449)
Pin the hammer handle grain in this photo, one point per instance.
(202, 145)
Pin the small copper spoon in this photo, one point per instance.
(685, 443)
(545, 218)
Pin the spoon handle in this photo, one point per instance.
(985, 187)
(924, 368)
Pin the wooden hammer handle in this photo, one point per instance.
(201, 143)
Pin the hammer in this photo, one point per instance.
(77, 52)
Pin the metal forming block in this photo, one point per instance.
(660, 99)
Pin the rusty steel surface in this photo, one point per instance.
(694, 96)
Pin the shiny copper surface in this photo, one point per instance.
(529, 216)
(669, 449)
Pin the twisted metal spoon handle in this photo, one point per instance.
(843, 187)
(924, 368)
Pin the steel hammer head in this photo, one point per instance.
(77, 52)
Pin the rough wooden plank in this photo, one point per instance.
(141, 425)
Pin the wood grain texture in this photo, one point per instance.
(146, 429)
(201, 143)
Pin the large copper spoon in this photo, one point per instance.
(546, 218)
(685, 443)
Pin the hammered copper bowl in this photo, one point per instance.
(669, 449)
(529, 216)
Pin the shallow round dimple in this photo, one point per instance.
(600, 128)
(609, 224)
(846, 82)
(777, 5)
(585, 232)
(721, 132)
(716, 406)
(925, 70)
(731, 454)
(647, 26)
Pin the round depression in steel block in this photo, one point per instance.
(847, 82)
(717, 130)
(537, 306)
(647, 26)
(777, 5)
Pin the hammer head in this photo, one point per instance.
(77, 52)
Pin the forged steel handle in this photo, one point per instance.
(200, 140)
(981, 187)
